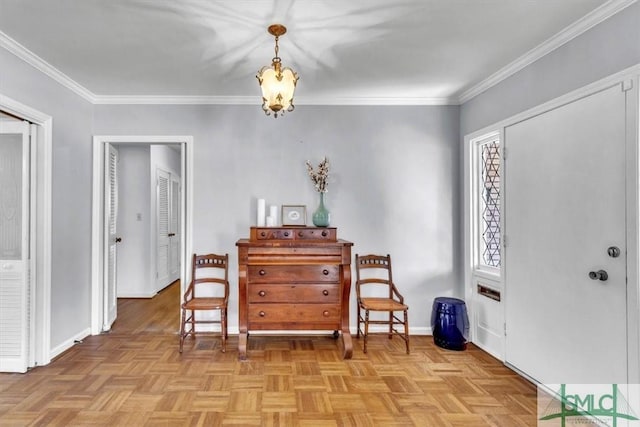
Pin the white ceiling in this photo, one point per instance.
(356, 51)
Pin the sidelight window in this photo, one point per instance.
(488, 178)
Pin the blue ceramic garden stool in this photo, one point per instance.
(450, 323)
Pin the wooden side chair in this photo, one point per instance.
(377, 292)
(208, 290)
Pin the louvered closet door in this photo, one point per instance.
(14, 246)
(163, 241)
(111, 240)
(174, 230)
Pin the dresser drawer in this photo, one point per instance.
(328, 234)
(291, 313)
(316, 234)
(274, 233)
(313, 293)
(293, 273)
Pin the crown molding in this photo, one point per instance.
(254, 100)
(38, 63)
(373, 100)
(590, 20)
(174, 99)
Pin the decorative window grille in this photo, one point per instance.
(489, 203)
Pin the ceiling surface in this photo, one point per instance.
(411, 51)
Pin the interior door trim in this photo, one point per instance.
(97, 222)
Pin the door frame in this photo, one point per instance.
(97, 227)
(41, 318)
(630, 81)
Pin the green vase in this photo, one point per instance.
(321, 216)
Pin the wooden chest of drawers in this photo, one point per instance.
(294, 278)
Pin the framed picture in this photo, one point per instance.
(294, 215)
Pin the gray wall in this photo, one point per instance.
(71, 187)
(393, 186)
(605, 49)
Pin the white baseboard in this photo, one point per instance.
(66, 345)
(381, 329)
(423, 330)
(136, 295)
(13, 365)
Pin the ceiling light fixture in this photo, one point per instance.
(277, 83)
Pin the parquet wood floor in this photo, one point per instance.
(134, 376)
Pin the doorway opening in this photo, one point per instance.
(176, 200)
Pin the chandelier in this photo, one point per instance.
(278, 83)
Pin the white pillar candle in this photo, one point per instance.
(273, 212)
(261, 213)
(271, 221)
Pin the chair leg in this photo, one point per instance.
(366, 329)
(193, 324)
(358, 318)
(390, 324)
(182, 321)
(226, 322)
(406, 330)
(223, 330)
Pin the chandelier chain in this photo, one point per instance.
(277, 48)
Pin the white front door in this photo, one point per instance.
(564, 218)
(111, 238)
(16, 290)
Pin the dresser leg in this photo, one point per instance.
(242, 346)
(348, 345)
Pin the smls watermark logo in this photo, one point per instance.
(613, 405)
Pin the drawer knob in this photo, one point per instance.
(262, 293)
(286, 234)
(325, 272)
(325, 313)
(324, 234)
(325, 292)
(262, 314)
(262, 272)
(263, 234)
(300, 233)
